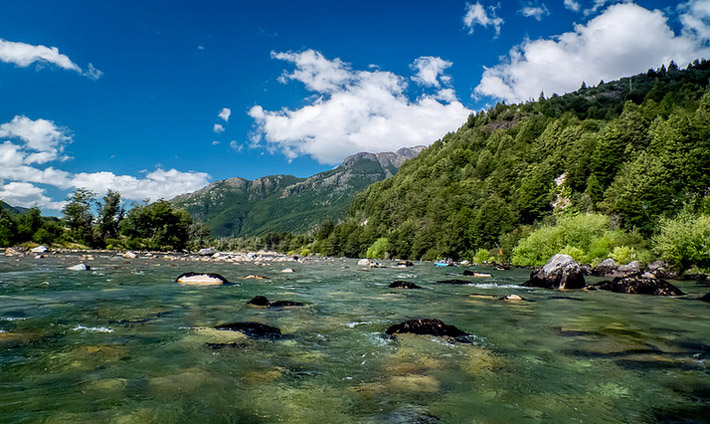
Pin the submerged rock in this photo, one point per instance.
(263, 301)
(561, 272)
(457, 282)
(403, 285)
(705, 298)
(255, 277)
(638, 285)
(252, 329)
(405, 264)
(468, 273)
(201, 279)
(79, 267)
(512, 298)
(429, 326)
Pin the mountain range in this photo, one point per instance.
(239, 207)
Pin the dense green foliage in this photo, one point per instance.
(684, 241)
(634, 150)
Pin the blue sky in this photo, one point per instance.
(158, 98)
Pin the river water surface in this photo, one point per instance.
(124, 343)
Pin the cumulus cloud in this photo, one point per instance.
(477, 14)
(695, 18)
(430, 71)
(23, 55)
(27, 195)
(30, 144)
(225, 113)
(537, 12)
(623, 40)
(155, 185)
(355, 111)
(218, 128)
(572, 5)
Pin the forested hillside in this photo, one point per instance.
(636, 150)
(239, 207)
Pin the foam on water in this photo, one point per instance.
(93, 329)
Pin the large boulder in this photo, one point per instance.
(609, 268)
(39, 249)
(208, 251)
(638, 285)
(429, 326)
(606, 268)
(79, 267)
(562, 272)
(363, 262)
(201, 279)
(262, 301)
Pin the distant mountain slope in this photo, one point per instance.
(239, 207)
(12, 210)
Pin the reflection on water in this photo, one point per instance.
(123, 343)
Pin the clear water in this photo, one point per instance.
(124, 343)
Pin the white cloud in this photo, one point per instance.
(353, 111)
(224, 114)
(430, 71)
(23, 55)
(27, 195)
(572, 5)
(624, 40)
(215, 142)
(537, 12)
(476, 14)
(696, 18)
(157, 184)
(41, 141)
(218, 128)
(315, 71)
(236, 146)
(598, 4)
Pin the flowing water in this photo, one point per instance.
(124, 343)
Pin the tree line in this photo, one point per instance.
(105, 223)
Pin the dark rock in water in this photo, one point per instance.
(283, 303)
(252, 329)
(409, 416)
(405, 263)
(586, 269)
(433, 327)
(638, 285)
(609, 268)
(263, 301)
(468, 273)
(459, 282)
(702, 278)
(660, 269)
(562, 272)
(259, 301)
(201, 279)
(706, 298)
(403, 285)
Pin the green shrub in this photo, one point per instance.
(378, 249)
(684, 241)
(576, 253)
(623, 255)
(481, 256)
(305, 252)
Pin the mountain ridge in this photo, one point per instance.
(240, 207)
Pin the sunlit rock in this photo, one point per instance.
(201, 279)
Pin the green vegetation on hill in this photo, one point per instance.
(635, 150)
(284, 203)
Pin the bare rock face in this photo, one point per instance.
(562, 272)
(638, 285)
(609, 268)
